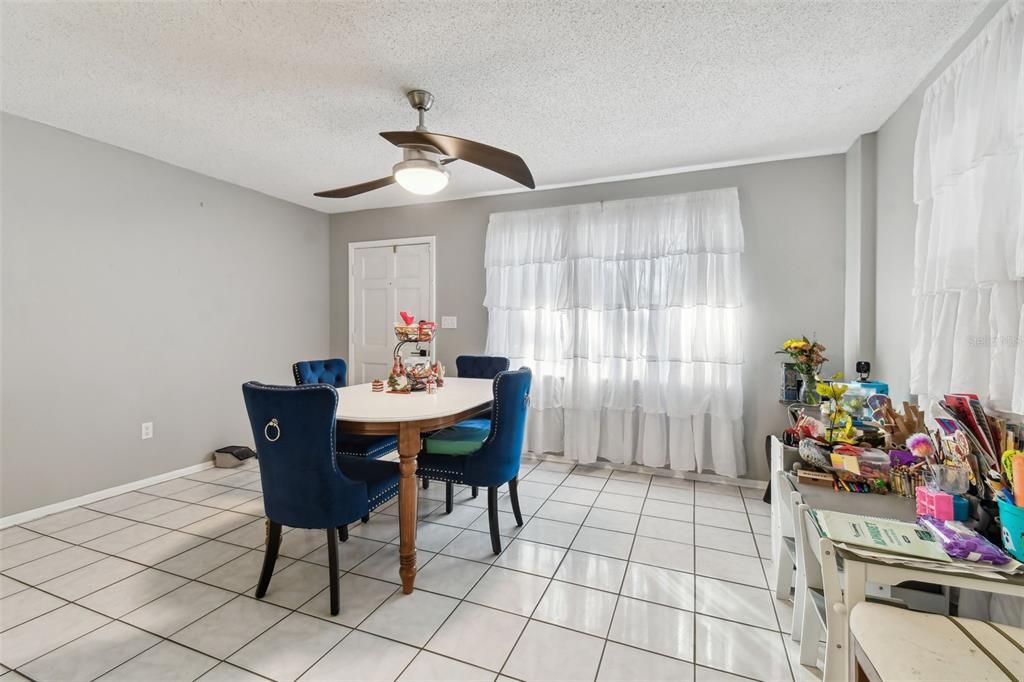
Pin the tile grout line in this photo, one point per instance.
(622, 582)
(374, 578)
(651, 482)
(778, 621)
(553, 574)
(388, 598)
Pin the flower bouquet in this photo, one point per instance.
(807, 357)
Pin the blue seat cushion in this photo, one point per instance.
(464, 438)
(381, 478)
(364, 446)
(477, 423)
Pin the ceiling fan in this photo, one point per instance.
(422, 168)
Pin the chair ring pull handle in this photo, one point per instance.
(272, 424)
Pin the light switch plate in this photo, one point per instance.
(449, 322)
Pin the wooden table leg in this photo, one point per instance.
(408, 449)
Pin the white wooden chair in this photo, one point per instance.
(785, 552)
(788, 560)
(821, 609)
(897, 645)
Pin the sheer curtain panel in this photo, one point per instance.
(629, 314)
(968, 330)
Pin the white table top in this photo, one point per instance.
(360, 404)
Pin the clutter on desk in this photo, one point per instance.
(966, 477)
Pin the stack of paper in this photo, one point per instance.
(971, 568)
(883, 535)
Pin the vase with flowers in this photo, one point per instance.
(807, 357)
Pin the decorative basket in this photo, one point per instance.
(424, 331)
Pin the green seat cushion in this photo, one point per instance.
(458, 440)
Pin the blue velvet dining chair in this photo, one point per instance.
(487, 457)
(480, 366)
(476, 367)
(306, 483)
(334, 372)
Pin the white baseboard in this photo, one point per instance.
(655, 471)
(39, 512)
(32, 514)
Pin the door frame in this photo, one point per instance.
(429, 240)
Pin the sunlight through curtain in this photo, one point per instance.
(628, 313)
(968, 330)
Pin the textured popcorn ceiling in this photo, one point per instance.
(288, 98)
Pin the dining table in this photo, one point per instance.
(409, 416)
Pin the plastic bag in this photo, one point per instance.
(960, 542)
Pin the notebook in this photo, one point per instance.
(884, 535)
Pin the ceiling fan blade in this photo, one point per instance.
(498, 160)
(353, 190)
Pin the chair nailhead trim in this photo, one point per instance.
(383, 496)
(438, 475)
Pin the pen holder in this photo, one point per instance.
(952, 480)
(1012, 519)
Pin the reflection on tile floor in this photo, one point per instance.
(616, 575)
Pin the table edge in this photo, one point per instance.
(374, 428)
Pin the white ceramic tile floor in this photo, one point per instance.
(617, 575)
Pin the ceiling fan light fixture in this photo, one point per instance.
(421, 176)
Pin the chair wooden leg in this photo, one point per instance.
(836, 660)
(799, 594)
(449, 495)
(474, 491)
(269, 557)
(332, 565)
(783, 575)
(365, 519)
(513, 496)
(343, 533)
(492, 518)
(426, 483)
(810, 634)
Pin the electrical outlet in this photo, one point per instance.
(147, 430)
(449, 322)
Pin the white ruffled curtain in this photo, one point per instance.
(968, 329)
(628, 313)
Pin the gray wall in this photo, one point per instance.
(896, 221)
(793, 218)
(138, 291)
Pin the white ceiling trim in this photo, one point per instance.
(621, 178)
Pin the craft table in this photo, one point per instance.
(409, 416)
(860, 572)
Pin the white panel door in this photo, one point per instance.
(385, 280)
